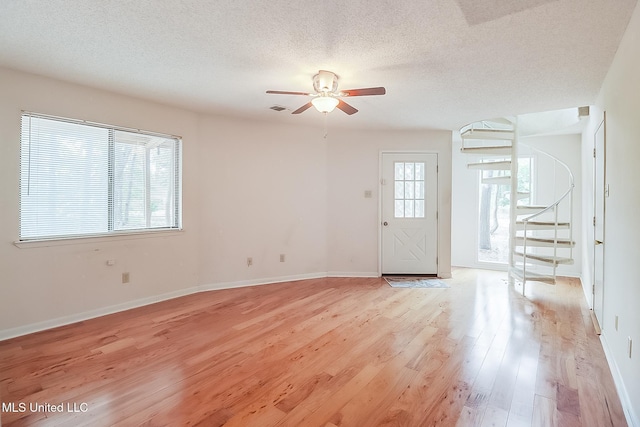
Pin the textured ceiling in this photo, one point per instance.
(443, 62)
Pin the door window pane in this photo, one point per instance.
(408, 190)
(399, 210)
(419, 209)
(408, 209)
(419, 171)
(399, 193)
(399, 168)
(419, 189)
(408, 171)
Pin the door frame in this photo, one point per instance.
(381, 200)
(601, 125)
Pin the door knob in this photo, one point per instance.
(598, 242)
(385, 223)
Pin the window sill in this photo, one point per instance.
(79, 240)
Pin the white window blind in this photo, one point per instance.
(84, 179)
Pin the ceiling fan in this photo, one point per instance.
(327, 97)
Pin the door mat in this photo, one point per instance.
(415, 282)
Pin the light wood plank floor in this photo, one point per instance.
(326, 352)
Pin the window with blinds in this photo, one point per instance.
(80, 179)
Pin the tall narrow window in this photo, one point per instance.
(82, 179)
(494, 209)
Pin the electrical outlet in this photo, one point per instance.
(249, 262)
(125, 277)
(367, 194)
(630, 346)
(282, 257)
(616, 323)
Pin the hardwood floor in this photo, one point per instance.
(325, 352)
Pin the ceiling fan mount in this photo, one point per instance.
(327, 97)
(325, 81)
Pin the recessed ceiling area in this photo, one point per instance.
(444, 63)
(479, 11)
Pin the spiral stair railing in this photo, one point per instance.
(539, 240)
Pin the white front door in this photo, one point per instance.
(409, 213)
(598, 222)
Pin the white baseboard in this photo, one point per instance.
(258, 282)
(91, 314)
(588, 297)
(629, 412)
(353, 274)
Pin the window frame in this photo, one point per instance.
(111, 232)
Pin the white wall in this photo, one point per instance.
(465, 208)
(568, 149)
(620, 98)
(353, 220)
(263, 193)
(250, 189)
(44, 286)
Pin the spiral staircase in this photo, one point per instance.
(540, 235)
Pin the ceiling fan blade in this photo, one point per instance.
(364, 92)
(305, 107)
(346, 107)
(283, 92)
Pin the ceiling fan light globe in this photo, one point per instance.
(325, 104)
